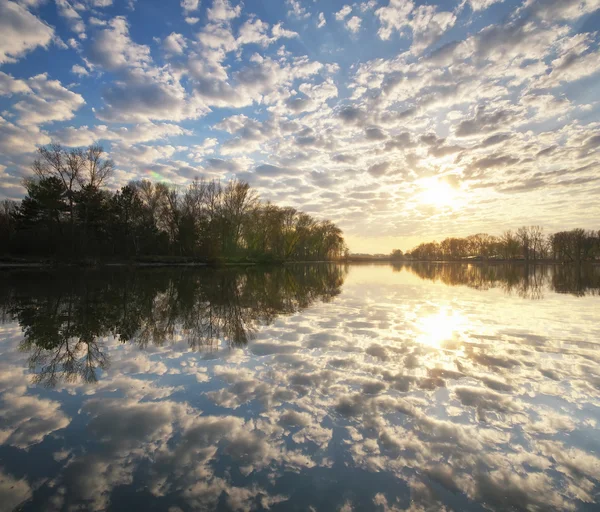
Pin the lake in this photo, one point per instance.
(305, 387)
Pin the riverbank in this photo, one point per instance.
(10, 262)
(159, 261)
(472, 261)
(147, 261)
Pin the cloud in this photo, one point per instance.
(72, 16)
(21, 32)
(27, 420)
(142, 99)
(353, 24)
(272, 170)
(79, 70)
(15, 140)
(296, 10)
(484, 122)
(222, 10)
(343, 12)
(113, 49)
(147, 132)
(481, 5)
(552, 10)
(393, 17)
(189, 6)
(13, 491)
(49, 102)
(174, 44)
(10, 85)
(321, 21)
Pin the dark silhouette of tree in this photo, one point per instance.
(8, 224)
(206, 220)
(40, 218)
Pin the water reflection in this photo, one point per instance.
(402, 394)
(527, 281)
(65, 317)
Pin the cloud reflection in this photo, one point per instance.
(400, 394)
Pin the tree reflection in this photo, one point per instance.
(64, 318)
(526, 281)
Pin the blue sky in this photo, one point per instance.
(400, 120)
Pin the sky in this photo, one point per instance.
(402, 121)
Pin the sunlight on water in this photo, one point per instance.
(302, 387)
(440, 327)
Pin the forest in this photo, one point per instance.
(528, 243)
(68, 213)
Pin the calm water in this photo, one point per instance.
(447, 387)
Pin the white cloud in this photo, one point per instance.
(424, 21)
(279, 32)
(393, 17)
(99, 3)
(481, 5)
(113, 49)
(174, 43)
(144, 97)
(72, 16)
(15, 140)
(189, 6)
(343, 12)
(296, 10)
(49, 102)
(353, 24)
(147, 132)
(428, 25)
(21, 32)
(79, 70)
(222, 10)
(10, 85)
(552, 10)
(321, 21)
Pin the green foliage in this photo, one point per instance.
(68, 215)
(528, 243)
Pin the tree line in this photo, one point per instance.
(528, 243)
(69, 212)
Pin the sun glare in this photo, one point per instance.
(437, 193)
(435, 329)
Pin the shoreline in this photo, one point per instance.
(44, 264)
(473, 262)
(48, 264)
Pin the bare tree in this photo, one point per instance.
(98, 169)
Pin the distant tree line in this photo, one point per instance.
(528, 243)
(68, 212)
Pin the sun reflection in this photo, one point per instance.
(435, 329)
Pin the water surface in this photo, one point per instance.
(318, 387)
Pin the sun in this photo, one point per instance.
(437, 192)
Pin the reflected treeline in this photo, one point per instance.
(528, 281)
(66, 318)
